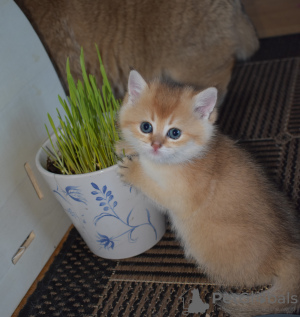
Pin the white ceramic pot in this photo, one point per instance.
(113, 219)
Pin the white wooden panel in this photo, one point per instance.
(28, 90)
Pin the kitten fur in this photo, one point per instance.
(194, 41)
(229, 217)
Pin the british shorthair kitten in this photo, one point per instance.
(228, 216)
(193, 41)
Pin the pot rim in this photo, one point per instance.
(42, 170)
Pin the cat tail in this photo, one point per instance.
(282, 297)
(246, 38)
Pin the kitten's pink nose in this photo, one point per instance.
(156, 146)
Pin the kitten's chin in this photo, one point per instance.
(156, 157)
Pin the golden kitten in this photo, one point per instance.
(228, 216)
(194, 41)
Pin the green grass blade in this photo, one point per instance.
(85, 141)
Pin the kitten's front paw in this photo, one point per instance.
(127, 167)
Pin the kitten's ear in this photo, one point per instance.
(136, 85)
(204, 102)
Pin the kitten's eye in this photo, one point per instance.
(146, 127)
(174, 133)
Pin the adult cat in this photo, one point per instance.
(193, 42)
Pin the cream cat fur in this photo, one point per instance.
(229, 217)
(192, 41)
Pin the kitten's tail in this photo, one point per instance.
(282, 297)
(246, 39)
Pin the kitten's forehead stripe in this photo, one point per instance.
(166, 101)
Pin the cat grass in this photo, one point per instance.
(85, 140)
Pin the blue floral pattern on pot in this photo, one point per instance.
(108, 203)
(76, 195)
(71, 191)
